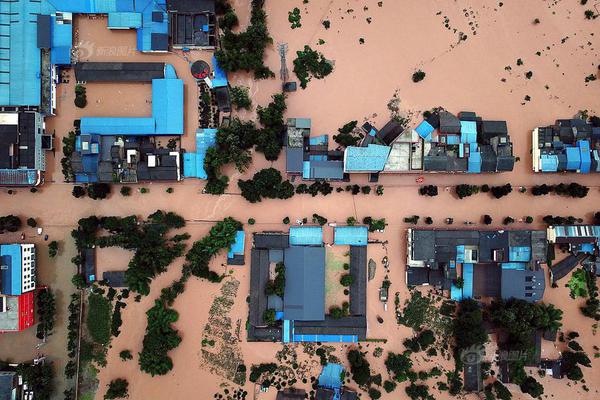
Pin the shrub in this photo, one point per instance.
(389, 386)
(117, 389)
(240, 97)
(365, 189)
(508, 220)
(418, 76)
(98, 318)
(379, 190)
(428, 220)
(251, 221)
(529, 219)
(98, 191)
(351, 221)
(346, 280)
(31, 222)
(501, 191)
(374, 393)
(487, 219)
(125, 191)
(125, 355)
(80, 101)
(144, 190)
(78, 191)
(428, 190)
(170, 190)
(53, 249)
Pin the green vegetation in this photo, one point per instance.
(318, 219)
(46, 311)
(125, 355)
(310, 63)
(117, 389)
(294, 18)
(245, 50)
(10, 223)
(160, 338)
(31, 222)
(277, 285)
(578, 283)
(52, 249)
(375, 224)
(68, 146)
(240, 97)
(80, 96)
(420, 342)
(266, 183)
(346, 280)
(256, 371)
(39, 378)
(399, 366)
(346, 136)
(418, 76)
(269, 316)
(359, 367)
(98, 318)
(98, 191)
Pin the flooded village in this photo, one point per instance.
(299, 199)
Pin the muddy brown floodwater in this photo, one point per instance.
(479, 73)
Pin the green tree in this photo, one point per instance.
(359, 367)
(240, 97)
(53, 248)
(117, 389)
(418, 76)
(346, 280)
(532, 387)
(311, 64)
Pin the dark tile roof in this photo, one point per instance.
(259, 276)
(291, 394)
(271, 240)
(423, 245)
(115, 279)
(389, 132)
(486, 280)
(223, 98)
(44, 33)
(294, 157)
(191, 6)
(416, 276)
(328, 394)
(563, 267)
(491, 129)
(352, 325)
(523, 284)
(119, 72)
(8, 382)
(358, 289)
(449, 123)
(473, 377)
(238, 259)
(89, 263)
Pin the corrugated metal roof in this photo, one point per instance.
(12, 275)
(304, 298)
(238, 245)
(124, 20)
(193, 163)
(351, 235)
(306, 236)
(366, 159)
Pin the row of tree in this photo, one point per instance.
(572, 189)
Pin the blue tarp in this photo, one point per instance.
(220, 77)
(468, 132)
(12, 276)
(366, 159)
(424, 130)
(331, 376)
(351, 235)
(306, 236)
(467, 274)
(519, 254)
(237, 248)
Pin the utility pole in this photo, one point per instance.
(283, 73)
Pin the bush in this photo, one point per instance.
(351, 221)
(170, 190)
(310, 63)
(117, 389)
(428, 190)
(31, 222)
(125, 191)
(365, 189)
(251, 221)
(487, 219)
(389, 386)
(125, 355)
(508, 220)
(501, 191)
(374, 393)
(418, 76)
(98, 191)
(346, 280)
(529, 219)
(317, 219)
(240, 97)
(80, 101)
(53, 249)
(379, 190)
(78, 191)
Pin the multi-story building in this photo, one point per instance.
(17, 286)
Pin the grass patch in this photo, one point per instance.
(98, 318)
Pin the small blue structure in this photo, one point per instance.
(306, 236)
(585, 156)
(331, 376)
(220, 77)
(424, 130)
(326, 338)
(573, 158)
(193, 163)
(237, 248)
(456, 293)
(468, 132)
(12, 275)
(350, 235)
(366, 159)
(519, 254)
(549, 162)
(467, 273)
(124, 20)
(474, 166)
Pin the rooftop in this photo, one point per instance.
(304, 298)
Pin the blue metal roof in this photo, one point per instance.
(474, 166)
(193, 163)
(549, 162)
(62, 42)
(220, 77)
(467, 274)
(326, 338)
(573, 158)
(12, 276)
(366, 159)
(424, 130)
(585, 155)
(519, 254)
(237, 247)
(118, 125)
(306, 236)
(517, 266)
(468, 132)
(331, 376)
(351, 235)
(124, 20)
(167, 106)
